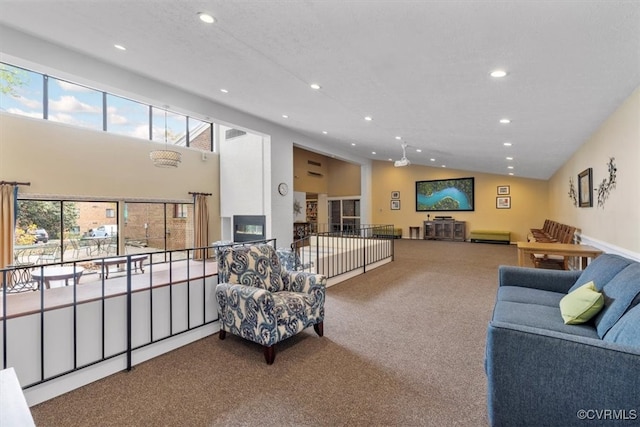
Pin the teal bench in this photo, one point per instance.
(490, 236)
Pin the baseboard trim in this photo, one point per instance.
(607, 247)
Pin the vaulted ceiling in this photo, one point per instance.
(419, 69)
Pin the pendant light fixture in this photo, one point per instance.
(166, 158)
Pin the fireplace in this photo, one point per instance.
(247, 228)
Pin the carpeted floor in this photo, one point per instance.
(403, 346)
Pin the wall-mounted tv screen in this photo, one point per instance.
(445, 195)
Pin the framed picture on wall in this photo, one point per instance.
(503, 202)
(585, 188)
(395, 205)
(395, 195)
(503, 190)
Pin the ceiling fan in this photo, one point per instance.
(403, 161)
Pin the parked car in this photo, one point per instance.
(41, 235)
(104, 231)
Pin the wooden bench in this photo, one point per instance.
(136, 261)
(552, 232)
(490, 236)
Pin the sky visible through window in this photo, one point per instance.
(22, 94)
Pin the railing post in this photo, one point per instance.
(129, 302)
(4, 319)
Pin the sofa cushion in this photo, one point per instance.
(620, 294)
(581, 305)
(529, 295)
(538, 316)
(601, 270)
(626, 331)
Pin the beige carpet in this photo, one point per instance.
(403, 346)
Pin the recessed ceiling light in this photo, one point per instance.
(373, 152)
(398, 137)
(444, 166)
(368, 118)
(433, 160)
(325, 132)
(418, 150)
(498, 73)
(119, 46)
(353, 143)
(391, 160)
(224, 91)
(509, 158)
(507, 144)
(284, 116)
(505, 121)
(315, 86)
(511, 173)
(205, 17)
(509, 167)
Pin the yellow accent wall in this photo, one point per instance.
(338, 178)
(529, 200)
(617, 223)
(344, 178)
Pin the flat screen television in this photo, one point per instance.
(445, 195)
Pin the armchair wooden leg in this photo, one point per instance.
(319, 328)
(270, 354)
(223, 334)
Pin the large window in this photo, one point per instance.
(154, 226)
(60, 231)
(41, 96)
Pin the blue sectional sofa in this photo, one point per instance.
(543, 372)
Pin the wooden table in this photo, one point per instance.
(47, 274)
(563, 249)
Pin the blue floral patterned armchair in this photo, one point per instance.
(261, 301)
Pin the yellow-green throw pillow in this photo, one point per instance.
(581, 305)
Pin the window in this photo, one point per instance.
(156, 226)
(74, 104)
(344, 215)
(55, 231)
(169, 127)
(21, 91)
(200, 134)
(110, 213)
(126, 117)
(180, 210)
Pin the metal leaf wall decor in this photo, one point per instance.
(607, 184)
(572, 193)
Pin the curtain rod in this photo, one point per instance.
(14, 183)
(200, 194)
